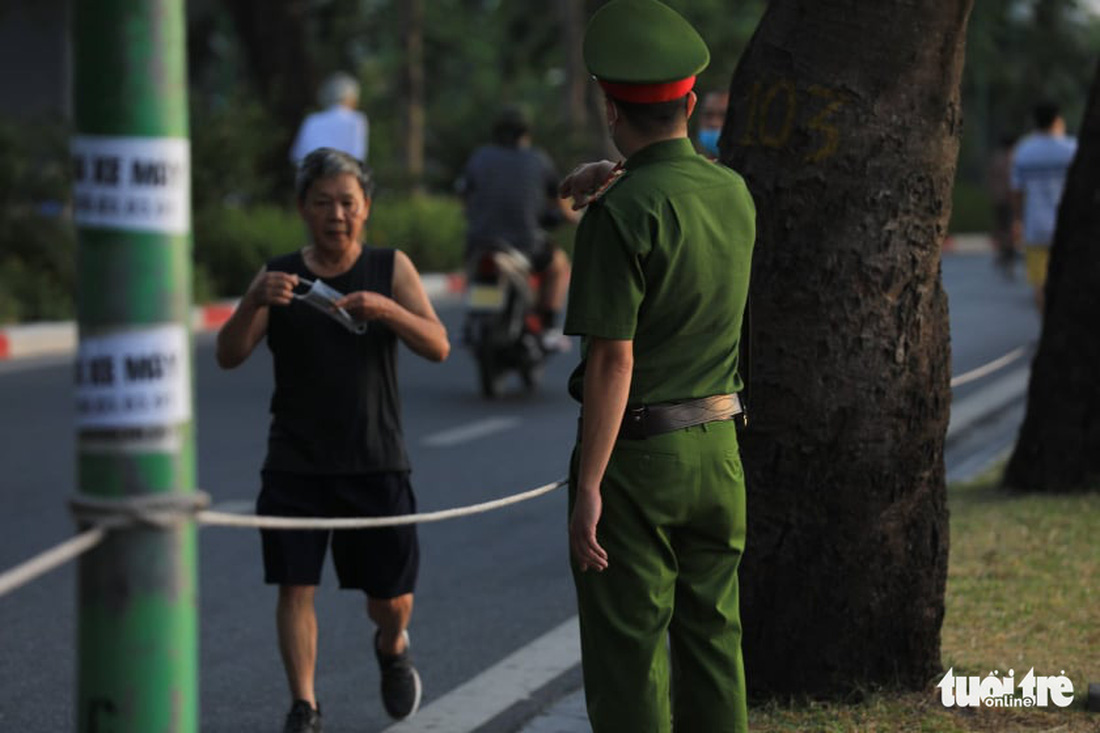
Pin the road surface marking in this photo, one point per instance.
(472, 704)
(470, 431)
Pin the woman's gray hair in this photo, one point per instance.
(329, 162)
(339, 88)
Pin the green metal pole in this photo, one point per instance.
(137, 632)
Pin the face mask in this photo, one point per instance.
(323, 298)
(708, 139)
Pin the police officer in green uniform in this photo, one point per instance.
(657, 496)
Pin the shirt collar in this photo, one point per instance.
(680, 147)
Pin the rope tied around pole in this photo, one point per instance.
(162, 511)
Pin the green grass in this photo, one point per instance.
(1023, 591)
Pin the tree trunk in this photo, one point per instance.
(413, 91)
(1059, 444)
(576, 77)
(273, 35)
(845, 120)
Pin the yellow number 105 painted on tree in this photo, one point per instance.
(772, 115)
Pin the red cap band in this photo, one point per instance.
(648, 93)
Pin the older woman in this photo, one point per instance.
(335, 446)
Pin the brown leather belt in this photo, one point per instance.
(646, 421)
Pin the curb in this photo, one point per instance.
(37, 339)
(53, 338)
(445, 287)
(968, 244)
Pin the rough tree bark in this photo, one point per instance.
(845, 120)
(1059, 444)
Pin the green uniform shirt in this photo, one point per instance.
(662, 258)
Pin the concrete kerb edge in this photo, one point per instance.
(52, 338)
(967, 244)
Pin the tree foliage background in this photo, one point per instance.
(255, 67)
(478, 55)
(1019, 51)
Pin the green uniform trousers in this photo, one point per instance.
(673, 526)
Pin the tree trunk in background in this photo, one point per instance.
(412, 21)
(273, 34)
(845, 120)
(576, 76)
(1059, 444)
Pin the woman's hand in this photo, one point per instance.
(364, 305)
(585, 181)
(271, 288)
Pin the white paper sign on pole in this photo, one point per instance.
(132, 183)
(134, 379)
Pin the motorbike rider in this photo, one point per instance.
(510, 189)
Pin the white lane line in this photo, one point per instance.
(470, 431)
(515, 678)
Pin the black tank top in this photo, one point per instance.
(335, 408)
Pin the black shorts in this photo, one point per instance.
(382, 562)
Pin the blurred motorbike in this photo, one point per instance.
(503, 330)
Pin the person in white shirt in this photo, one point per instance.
(1039, 167)
(340, 125)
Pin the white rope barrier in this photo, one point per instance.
(45, 562)
(166, 511)
(987, 369)
(226, 519)
(171, 510)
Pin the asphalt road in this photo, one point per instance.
(489, 584)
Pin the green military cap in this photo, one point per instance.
(643, 51)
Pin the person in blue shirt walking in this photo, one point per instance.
(1039, 168)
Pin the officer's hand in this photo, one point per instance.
(582, 532)
(585, 181)
(364, 305)
(271, 288)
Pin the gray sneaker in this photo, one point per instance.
(302, 718)
(400, 682)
